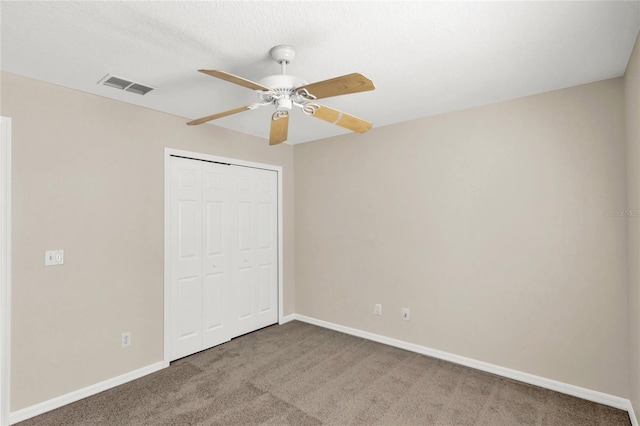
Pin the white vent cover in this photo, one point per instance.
(124, 84)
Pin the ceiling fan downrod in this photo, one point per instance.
(283, 55)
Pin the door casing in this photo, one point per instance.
(5, 268)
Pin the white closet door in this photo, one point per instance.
(186, 257)
(200, 290)
(254, 249)
(216, 270)
(223, 253)
(266, 248)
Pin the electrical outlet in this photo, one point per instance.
(405, 314)
(126, 339)
(377, 309)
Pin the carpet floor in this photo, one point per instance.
(300, 374)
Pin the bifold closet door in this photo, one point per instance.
(254, 249)
(223, 249)
(200, 256)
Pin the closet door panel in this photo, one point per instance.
(216, 253)
(186, 258)
(266, 247)
(242, 250)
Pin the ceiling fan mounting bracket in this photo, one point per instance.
(283, 54)
(310, 109)
(304, 93)
(279, 114)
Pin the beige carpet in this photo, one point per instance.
(299, 374)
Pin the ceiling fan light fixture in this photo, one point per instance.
(284, 104)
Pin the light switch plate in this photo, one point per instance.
(53, 257)
(405, 314)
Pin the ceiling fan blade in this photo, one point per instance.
(235, 79)
(350, 83)
(219, 115)
(279, 129)
(342, 119)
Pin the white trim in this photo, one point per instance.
(632, 415)
(288, 318)
(588, 394)
(207, 157)
(5, 268)
(166, 359)
(280, 247)
(168, 152)
(57, 402)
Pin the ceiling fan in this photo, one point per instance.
(287, 91)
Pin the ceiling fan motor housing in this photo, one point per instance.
(283, 82)
(282, 92)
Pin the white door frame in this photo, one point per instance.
(5, 267)
(168, 152)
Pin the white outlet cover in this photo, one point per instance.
(406, 314)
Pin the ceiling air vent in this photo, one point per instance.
(124, 84)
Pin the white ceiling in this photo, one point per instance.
(425, 58)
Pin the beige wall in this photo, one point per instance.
(490, 224)
(88, 177)
(632, 98)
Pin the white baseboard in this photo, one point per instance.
(588, 394)
(287, 318)
(43, 407)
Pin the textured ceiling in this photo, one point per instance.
(425, 58)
